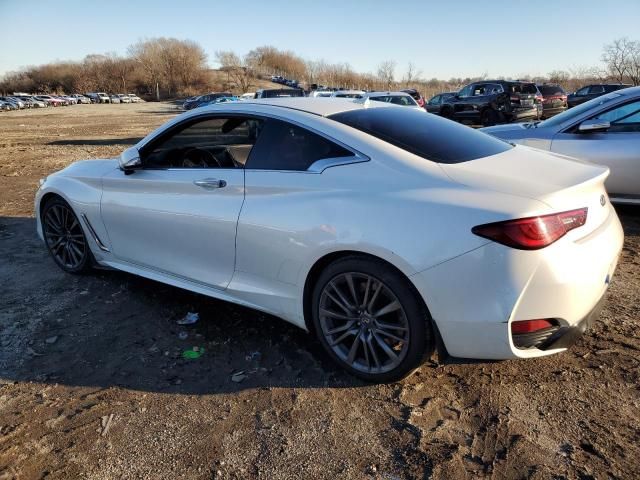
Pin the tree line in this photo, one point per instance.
(169, 67)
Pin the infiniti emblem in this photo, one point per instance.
(603, 200)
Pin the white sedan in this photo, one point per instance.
(384, 231)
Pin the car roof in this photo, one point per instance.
(323, 107)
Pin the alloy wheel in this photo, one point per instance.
(64, 236)
(364, 323)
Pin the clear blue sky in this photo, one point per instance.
(443, 38)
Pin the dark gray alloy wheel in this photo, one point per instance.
(64, 237)
(369, 319)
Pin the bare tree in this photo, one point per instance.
(617, 57)
(386, 71)
(412, 74)
(238, 72)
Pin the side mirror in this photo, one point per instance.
(130, 160)
(594, 125)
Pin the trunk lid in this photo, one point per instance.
(561, 182)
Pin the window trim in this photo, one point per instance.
(178, 127)
(572, 129)
(316, 167)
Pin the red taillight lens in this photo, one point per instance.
(529, 326)
(532, 233)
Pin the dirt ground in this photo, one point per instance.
(93, 384)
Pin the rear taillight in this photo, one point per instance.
(529, 326)
(532, 233)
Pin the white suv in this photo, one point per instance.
(395, 98)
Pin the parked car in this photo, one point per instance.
(492, 101)
(553, 101)
(27, 101)
(14, 101)
(416, 96)
(279, 92)
(321, 93)
(99, 97)
(134, 98)
(51, 100)
(114, 98)
(219, 100)
(590, 92)
(81, 98)
(248, 96)
(435, 103)
(394, 98)
(7, 106)
(605, 130)
(197, 101)
(347, 94)
(279, 207)
(124, 98)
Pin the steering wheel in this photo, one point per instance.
(196, 157)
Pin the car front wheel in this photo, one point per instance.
(64, 237)
(370, 320)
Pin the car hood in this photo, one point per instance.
(90, 168)
(525, 172)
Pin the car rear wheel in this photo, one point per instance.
(64, 237)
(369, 319)
(489, 117)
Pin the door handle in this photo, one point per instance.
(210, 183)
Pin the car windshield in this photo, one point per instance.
(568, 115)
(425, 135)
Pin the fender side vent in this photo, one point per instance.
(93, 233)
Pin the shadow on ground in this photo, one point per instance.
(101, 141)
(114, 329)
(110, 328)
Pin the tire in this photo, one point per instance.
(488, 117)
(446, 113)
(64, 237)
(347, 318)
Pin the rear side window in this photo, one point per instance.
(284, 146)
(428, 136)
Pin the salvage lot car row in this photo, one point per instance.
(19, 101)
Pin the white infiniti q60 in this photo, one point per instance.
(385, 231)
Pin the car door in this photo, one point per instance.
(178, 213)
(462, 103)
(617, 147)
(433, 105)
(286, 184)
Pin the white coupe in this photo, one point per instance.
(385, 231)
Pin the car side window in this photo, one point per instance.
(625, 118)
(582, 91)
(479, 90)
(284, 146)
(435, 100)
(466, 91)
(219, 142)
(596, 89)
(494, 89)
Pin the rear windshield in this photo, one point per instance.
(523, 88)
(550, 89)
(428, 136)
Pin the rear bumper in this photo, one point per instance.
(551, 111)
(524, 113)
(474, 298)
